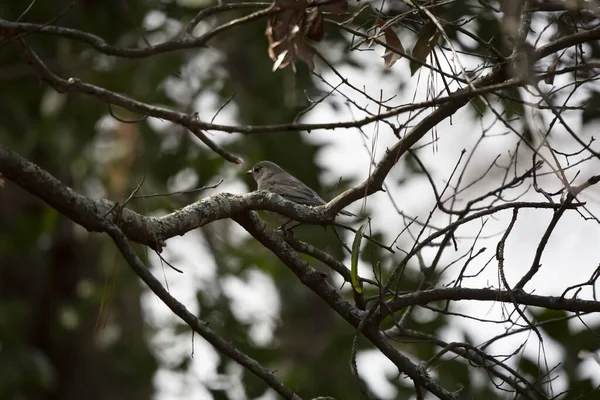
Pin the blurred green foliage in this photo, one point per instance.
(63, 291)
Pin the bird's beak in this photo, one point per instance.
(249, 172)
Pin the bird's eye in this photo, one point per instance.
(256, 168)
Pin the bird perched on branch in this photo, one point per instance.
(271, 177)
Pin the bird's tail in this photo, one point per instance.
(348, 214)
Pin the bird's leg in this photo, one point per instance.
(295, 226)
(284, 228)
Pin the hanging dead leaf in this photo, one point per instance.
(286, 35)
(288, 31)
(314, 24)
(339, 7)
(306, 53)
(391, 39)
(428, 38)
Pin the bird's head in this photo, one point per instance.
(263, 170)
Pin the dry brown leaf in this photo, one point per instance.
(306, 53)
(314, 24)
(289, 29)
(391, 39)
(285, 33)
(428, 38)
(339, 7)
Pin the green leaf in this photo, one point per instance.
(354, 257)
(514, 103)
(559, 329)
(428, 38)
(592, 106)
(529, 367)
(479, 105)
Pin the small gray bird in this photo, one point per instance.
(271, 177)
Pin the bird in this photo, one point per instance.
(271, 177)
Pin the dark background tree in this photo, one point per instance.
(72, 324)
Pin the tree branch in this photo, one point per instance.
(8, 29)
(195, 323)
(274, 241)
(505, 296)
(151, 231)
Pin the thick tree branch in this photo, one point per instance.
(195, 323)
(275, 241)
(151, 231)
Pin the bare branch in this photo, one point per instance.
(193, 322)
(462, 294)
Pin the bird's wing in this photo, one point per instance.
(294, 190)
(305, 195)
(297, 192)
